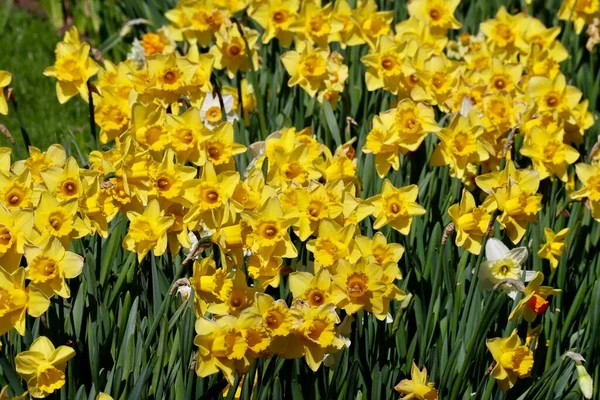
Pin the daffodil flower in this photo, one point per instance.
(502, 264)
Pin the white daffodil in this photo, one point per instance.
(502, 264)
(211, 113)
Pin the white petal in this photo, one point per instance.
(518, 254)
(389, 319)
(529, 275)
(495, 250)
(465, 106)
(512, 294)
(228, 102)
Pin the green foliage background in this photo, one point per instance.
(133, 340)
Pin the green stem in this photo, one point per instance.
(91, 89)
(24, 133)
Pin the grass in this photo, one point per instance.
(133, 340)
(27, 44)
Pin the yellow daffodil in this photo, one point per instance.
(396, 207)
(362, 286)
(333, 243)
(438, 13)
(417, 386)
(221, 346)
(503, 35)
(43, 366)
(268, 233)
(112, 115)
(372, 23)
(5, 79)
(169, 77)
(276, 17)
(460, 144)
(315, 25)
(554, 246)
(314, 336)
(16, 301)
(470, 222)
(533, 302)
(72, 69)
(230, 51)
(38, 161)
(50, 266)
(220, 147)
(554, 95)
(350, 33)
(210, 285)
(316, 289)
(182, 133)
(581, 12)
(147, 231)
(589, 175)
(59, 220)
(239, 297)
(16, 226)
(307, 69)
(276, 316)
(513, 360)
(378, 250)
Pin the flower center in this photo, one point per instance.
(214, 115)
(538, 304)
(357, 284)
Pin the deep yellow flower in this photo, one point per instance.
(16, 301)
(210, 285)
(313, 207)
(148, 231)
(554, 95)
(503, 35)
(396, 207)
(372, 23)
(50, 266)
(184, 135)
(429, 41)
(59, 220)
(470, 222)
(169, 76)
(220, 147)
(38, 161)
(221, 347)
(362, 287)
(533, 302)
(417, 386)
(513, 360)
(315, 25)
(439, 14)
(313, 338)
(315, 290)
(333, 243)
(169, 179)
(268, 233)
(350, 34)
(72, 69)
(196, 22)
(112, 115)
(43, 366)
(581, 12)
(589, 175)
(276, 17)
(307, 69)
(385, 65)
(550, 155)
(378, 250)
(15, 228)
(265, 271)
(230, 50)
(5, 78)
(461, 144)
(239, 297)
(277, 318)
